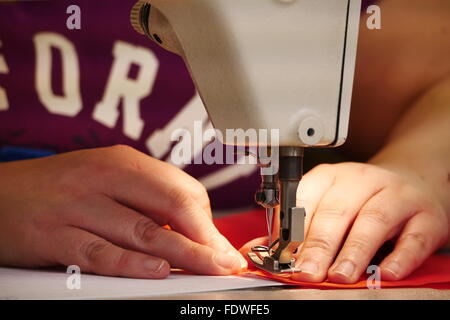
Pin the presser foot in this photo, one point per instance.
(262, 258)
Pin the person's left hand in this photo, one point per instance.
(352, 210)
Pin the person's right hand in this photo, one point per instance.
(104, 210)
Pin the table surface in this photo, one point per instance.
(287, 293)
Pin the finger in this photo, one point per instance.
(374, 225)
(335, 213)
(312, 187)
(421, 236)
(93, 254)
(189, 255)
(129, 229)
(168, 196)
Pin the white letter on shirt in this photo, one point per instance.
(130, 91)
(160, 142)
(70, 103)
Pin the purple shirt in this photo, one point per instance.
(69, 108)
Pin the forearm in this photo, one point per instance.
(421, 142)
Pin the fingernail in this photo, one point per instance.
(393, 267)
(346, 268)
(154, 265)
(226, 261)
(310, 267)
(242, 260)
(244, 264)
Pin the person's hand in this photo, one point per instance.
(104, 210)
(352, 210)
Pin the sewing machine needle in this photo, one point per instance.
(269, 218)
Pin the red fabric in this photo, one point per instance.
(241, 228)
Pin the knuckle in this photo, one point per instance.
(146, 231)
(417, 238)
(411, 256)
(328, 212)
(192, 188)
(324, 167)
(358, 244)
(179, 199)
(391, 179)
(375, 215)
(199, 191)
(363, 169)
(121, 149)
(200, 194)
(194, 251)
(125, 158)
(124, 260)
(403, 189)
(212, 238)
(320, 243)
(92, 251)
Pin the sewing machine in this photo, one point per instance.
(284, 65)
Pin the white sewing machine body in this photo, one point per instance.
(283, 65)
(271, 64)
